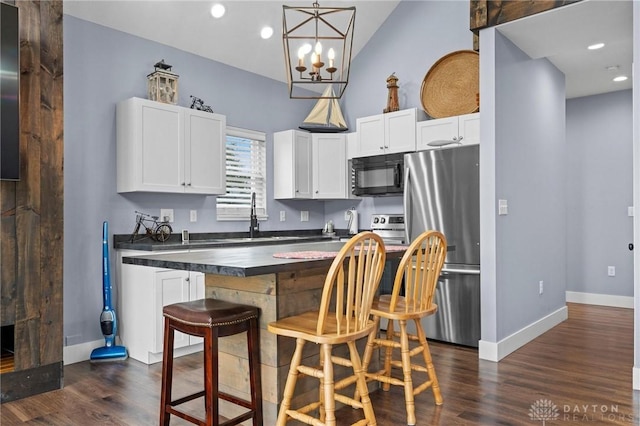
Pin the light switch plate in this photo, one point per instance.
(503, 207)
(193, 216)
(304, 216)
(283, 215)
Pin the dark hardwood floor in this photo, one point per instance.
(583, 367)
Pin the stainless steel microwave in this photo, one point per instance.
(378, 175)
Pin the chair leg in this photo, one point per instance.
(388, 353)
(167, 373)
(406, 372)
(255, 375)
(328, 388)
(431, 371)
(361, 384)
(211, 376)
(290, 386)
(368, 353)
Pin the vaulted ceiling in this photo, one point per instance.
(561, 35)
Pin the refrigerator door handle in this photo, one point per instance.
(460, 271)
(405, 202)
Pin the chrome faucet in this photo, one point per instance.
(254, 227)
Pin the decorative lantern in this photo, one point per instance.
(162, 84)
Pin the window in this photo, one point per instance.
(246, 174)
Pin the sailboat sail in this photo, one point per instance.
(325, 115)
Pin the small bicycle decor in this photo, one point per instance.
(197, 103)
(158, 231)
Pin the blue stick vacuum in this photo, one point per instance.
(108, 322)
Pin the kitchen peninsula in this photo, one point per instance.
(280, 287)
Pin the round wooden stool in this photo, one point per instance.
(211, 318)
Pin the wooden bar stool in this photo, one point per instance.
(211, 318)
(411, 300)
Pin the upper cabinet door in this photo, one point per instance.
(292, 168)
(159, 152)
(329, 166)
(370, 136)
(205, 148)
(400, 131)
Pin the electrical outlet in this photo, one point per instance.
(193, 216)
(611, 271)
(283, 215)
(304, 216)
(166, 215)
(541, 289)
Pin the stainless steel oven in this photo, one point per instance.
(377, 175)
(391, 228)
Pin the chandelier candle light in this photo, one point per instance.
(317, 31)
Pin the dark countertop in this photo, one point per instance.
(242, 261)
(214, 240)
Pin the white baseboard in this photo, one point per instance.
(80, 352)
(600, 299)
(636, 378)
(493, 351)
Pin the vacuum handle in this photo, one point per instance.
(106, 274)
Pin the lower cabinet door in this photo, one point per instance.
(170, 287)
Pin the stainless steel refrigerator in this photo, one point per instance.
(442, 191)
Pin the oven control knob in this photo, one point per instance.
(375, 220)
(382, 220)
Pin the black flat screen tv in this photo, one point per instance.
(9, 93)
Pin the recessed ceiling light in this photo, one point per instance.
(266, 32)
(596, 46)
(620, 78)
(217, 10)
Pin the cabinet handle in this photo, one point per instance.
(189, 184)
(183, 184)
(187, 279)
(316, 191)
(460, 138)
(455, 138)
(382, 147)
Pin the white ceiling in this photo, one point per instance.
(561, 35)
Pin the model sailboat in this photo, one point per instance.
(326, 116)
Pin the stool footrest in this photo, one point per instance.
(186, 398)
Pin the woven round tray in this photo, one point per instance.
(451, 87)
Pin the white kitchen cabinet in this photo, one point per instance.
(167, 148)
(144, 291)
(292, 175)
(309, 165)
(462, 130)
(386, 133)
(329, 166)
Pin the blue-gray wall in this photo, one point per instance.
(103, 67)
(522, 159)
(599, 191)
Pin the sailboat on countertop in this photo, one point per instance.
(326, 116)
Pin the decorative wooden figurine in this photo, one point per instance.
(392, 102)
(162, 84)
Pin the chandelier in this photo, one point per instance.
(317, 49)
